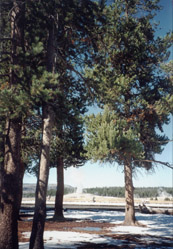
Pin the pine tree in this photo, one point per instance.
(64, 51)
(10, 90)
(19, 65)
(67, 150)
(128, 78)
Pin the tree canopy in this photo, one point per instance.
(136, 94)
(129, 79)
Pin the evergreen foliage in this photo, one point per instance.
(34, 76)
(65, 89)
(128, 78)
(129, 83)
(124, 70)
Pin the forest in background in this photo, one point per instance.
(147, 192)
(141, 192)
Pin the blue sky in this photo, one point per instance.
(99, 175)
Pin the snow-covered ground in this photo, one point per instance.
(159, 228)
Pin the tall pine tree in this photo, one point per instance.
(67, 25)
(128, 78)
(14, 105)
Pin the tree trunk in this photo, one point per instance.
(10, 170)
(60, 190)
(10, 186)
(36, 240)
(21, 175)
(129, 196)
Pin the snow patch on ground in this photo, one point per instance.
(158, 225)
(68, 239)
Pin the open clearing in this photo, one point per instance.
(101, 229)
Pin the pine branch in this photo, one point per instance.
(3, 52)
(166, 141)
(6, 39)
(77, 72)
(155, 161)
(4, 75)
(85, 81)
(3, 60)
(161, 142)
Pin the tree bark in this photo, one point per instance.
(10, 169)
(60, 190)
(21, 175)
(10, 186)
(36, 240)
(129, 196)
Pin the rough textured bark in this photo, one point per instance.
(36, 240)
(60, 190)
(129, 196)
(10, 186)
(21, 175)
(10, 170)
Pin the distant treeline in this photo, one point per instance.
(52, 192)
(67, 190)
(149, 192)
